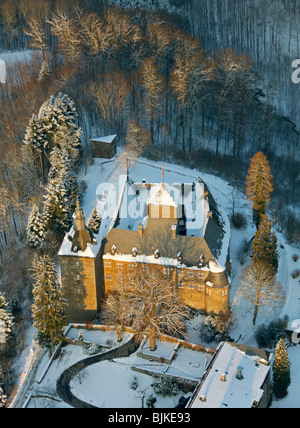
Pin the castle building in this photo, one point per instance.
(176, 228)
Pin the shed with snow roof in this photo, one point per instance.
(104, 147)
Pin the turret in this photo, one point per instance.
(82, 235)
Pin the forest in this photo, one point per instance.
(201, 87)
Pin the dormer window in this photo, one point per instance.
(201, 260)
(113, 250)
(134, 252)
(156, 254)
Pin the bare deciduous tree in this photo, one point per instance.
(137, 140)
(155, 304)
(153, 84)
(260, 287)
(69, 36)
(37, 33)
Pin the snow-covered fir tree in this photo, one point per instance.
(61, 191)
(57, 114)
(56, 206)
(34, 140)
(281, 370)
(94, 221)
(45, 72)
(6, 318)
(62, 168)
(34, 135)
(3, 398)
(49, 304)
(56, 124)
(35, 227)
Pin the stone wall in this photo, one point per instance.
(83, 287)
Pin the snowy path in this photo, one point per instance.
(63, 383)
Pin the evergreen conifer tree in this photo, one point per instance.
(94, 221)
(49, 305)
(3, 398)
(35, 138)
(5, 316)
(259, 185)
(264, 247)
(56, 212)
(56, 124)
(62, 168)
(59, 113)
(35, 228)
(281, 371)
(44, 72)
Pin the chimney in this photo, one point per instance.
(174, 231)
(140, 231)
(239, 374)
(223, 377)
(134, 252)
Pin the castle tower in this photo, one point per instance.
(80, 271)
(82, 236)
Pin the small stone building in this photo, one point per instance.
(104, 147)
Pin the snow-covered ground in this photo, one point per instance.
(109, 374)
(18, 56)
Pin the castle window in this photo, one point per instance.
(77, 264)
(78, 291)
(180, 272)
(131, 266)
(78, 277)
(107, 263)
(190, 274)
(108, 277)
(120, 266)
(181, 285)
(191, 286)
(201, 275)
(200, 287)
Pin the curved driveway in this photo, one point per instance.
(63, 383)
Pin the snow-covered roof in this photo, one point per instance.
(161, 196)
(90, 252)
(108, 139)
(221, 388)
